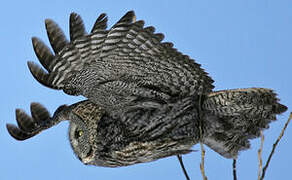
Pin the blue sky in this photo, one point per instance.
(243, 43)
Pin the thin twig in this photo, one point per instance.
(202, 165)
(234, 169)
(274, 147)
(183, 167)
(260, 155)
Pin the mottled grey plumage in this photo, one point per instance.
(117, 68)
(232, 117)
(145, 101)
(98, 139)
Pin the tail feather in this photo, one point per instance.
(250, 101)
(232, 117)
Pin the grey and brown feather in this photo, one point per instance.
(145, 99)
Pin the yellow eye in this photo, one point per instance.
(78, 134)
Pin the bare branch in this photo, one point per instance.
(183, 167)
(260, 156)
(234, 169)
(202, 165)
(274, 147)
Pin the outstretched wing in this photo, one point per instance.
(29, 126)
(127, 64)
(40, 119)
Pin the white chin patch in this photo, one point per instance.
(88, 159)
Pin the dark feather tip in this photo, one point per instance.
(150, 29)
(159, 36)
(24, 122)
(40, 75)
(18, 134)
(77, 28)
(129, 17)
(280, 108)
(100, 23)
(29, 126)
(39, 113)
(56, 36)
(42, 52)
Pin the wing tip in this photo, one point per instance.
(39, 112)
(43, 53)
(39, 74)
(29, 126)
(56, 36)
(100, 23)
(49, 22)
(77, 28)
(16, 133)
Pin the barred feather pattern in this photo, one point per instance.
(146, 136)
(232, 117)
(29, 126)
(127, 61)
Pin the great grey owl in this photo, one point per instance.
(145, 99)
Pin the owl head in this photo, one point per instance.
(83, 117)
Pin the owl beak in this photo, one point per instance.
(89, 158)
